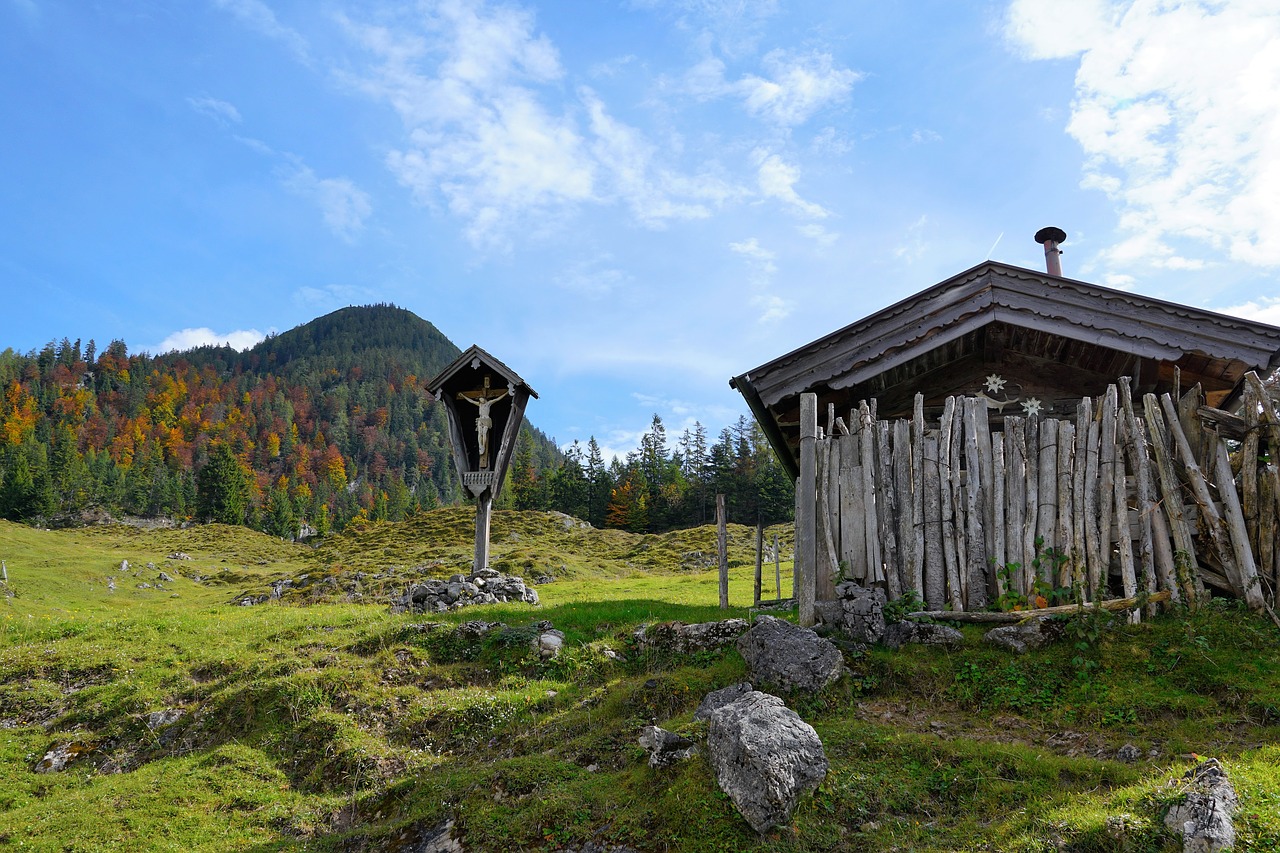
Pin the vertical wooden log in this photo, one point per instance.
(1269, 509)
(1015, 439)
(828, 561)
(917, 496)
(1249, 467)
(1047, 512)
(888, 511)
(1188, 418)
(935, 566)
(1106, 488)
(1094, 566)
(1214, 525)
(1079, 558)
(998, 557)
(986, 463)
(905, 486)
(958, 500)
(1031, 512)
(1064, 530)
(1236, 529)
(1154, 577)
(1124, 538)
(722, 550)
(806, 569)
(1171, 499)
(976, 564)
(759, 562)
(954, 592)
(871, 524)
(852, 534)
(777, 570)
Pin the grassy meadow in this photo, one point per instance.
(320, 721)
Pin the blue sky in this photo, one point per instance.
(627, 202)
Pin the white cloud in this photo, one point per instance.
(797, 87)
(793, 90)
(258, 17)
(777, 179)
(735, 26)
(1264, 309)
(343, 205)
(818, 234)
(1177, 108)
(186, 339)
(772, 308)
(223, 113)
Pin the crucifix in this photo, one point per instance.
(481, 399)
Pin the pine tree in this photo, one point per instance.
(222, 488)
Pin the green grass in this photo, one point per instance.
(338, 726)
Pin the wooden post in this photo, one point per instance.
(777, 570)
(887, 504)
(1015, 439)
(1064, 533)
(954, 593)
(1219, 539)
(1047, 510)
(1148, 551)
(722, 549)
(1124, 538)
(1031, 512)
(1079, 560)
(912, 573)
(759, 558)
(484, 511)
(1171, 499)
(1250, 587)
(975, 486)
(917, 495)
(871, 524)
(1099, 574)
(935, 567)
(806, 557)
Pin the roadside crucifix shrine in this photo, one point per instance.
(484, 400)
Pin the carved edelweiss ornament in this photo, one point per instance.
(1031, 406)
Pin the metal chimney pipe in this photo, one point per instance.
(1051, 237)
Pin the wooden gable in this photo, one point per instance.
(1016, 336)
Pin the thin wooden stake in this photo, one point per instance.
(935, 564)
(722, 548)
(805, 572)
(888, 511)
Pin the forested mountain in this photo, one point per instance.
(316, 427)
(321, 424)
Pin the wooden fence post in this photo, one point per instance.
(806, 556)
(722, 549)
(759, 558)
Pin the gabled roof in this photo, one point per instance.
(990, 296)
(996, 292)
(472, 358)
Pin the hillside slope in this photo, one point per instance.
(190, 723)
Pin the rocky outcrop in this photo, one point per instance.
(718, 698)
(789, 657)
(857, 612)
(765, 758)
(1204, 817)
(1034, 633)
(906, 632)
(665, 748)
(685, 639)
(483, 586)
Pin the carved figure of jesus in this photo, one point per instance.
(483, 402)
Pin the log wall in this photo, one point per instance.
(1154, 495)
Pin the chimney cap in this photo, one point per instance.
(1044, 235)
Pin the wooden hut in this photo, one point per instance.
(1006, 431)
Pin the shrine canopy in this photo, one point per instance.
(485, 402)
(1029, 342)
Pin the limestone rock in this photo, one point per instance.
(718, 698)
(789, 657)
(665, 748)
(686, 639)
(57, 758)
(1034, 633)
(902, 633)
(1204, 817)
(765, 758)
(549, 643)
(483, 586)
